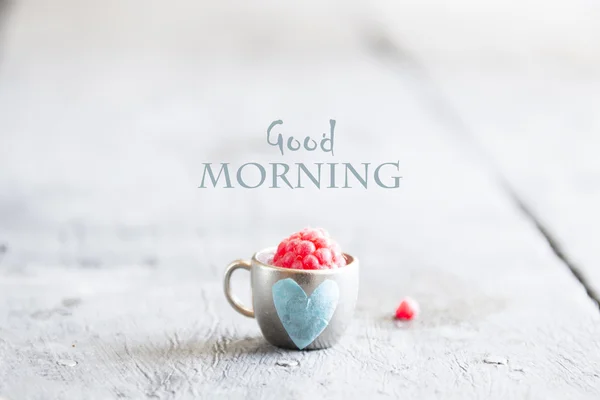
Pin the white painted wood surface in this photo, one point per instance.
(110, 280)
(540, 129)
(528, 108)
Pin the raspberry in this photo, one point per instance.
(408, 309)
(309, 249)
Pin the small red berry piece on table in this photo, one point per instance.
(408, 309)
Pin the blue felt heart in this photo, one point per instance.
(303, 317)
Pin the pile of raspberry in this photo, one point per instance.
(309, 249)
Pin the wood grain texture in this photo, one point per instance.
(539, 130)
(528, 109)
(110, 279)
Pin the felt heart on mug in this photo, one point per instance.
(305, 317)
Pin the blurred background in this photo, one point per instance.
(108, 110)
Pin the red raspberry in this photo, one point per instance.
(408, 309)
(309, 249)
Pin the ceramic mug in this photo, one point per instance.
(298, 309)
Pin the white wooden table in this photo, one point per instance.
(111, 258)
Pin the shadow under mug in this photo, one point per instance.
(298, 309)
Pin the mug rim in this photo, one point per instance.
(351, 261)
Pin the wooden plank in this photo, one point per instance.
(111, 280)
(526, 104)
(541, 133)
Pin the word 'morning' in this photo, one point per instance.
(326, 175)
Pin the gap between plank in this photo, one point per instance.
(552, 241)
(384, 49)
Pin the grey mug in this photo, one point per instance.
(298, 309)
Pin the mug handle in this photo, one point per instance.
(231, 298)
